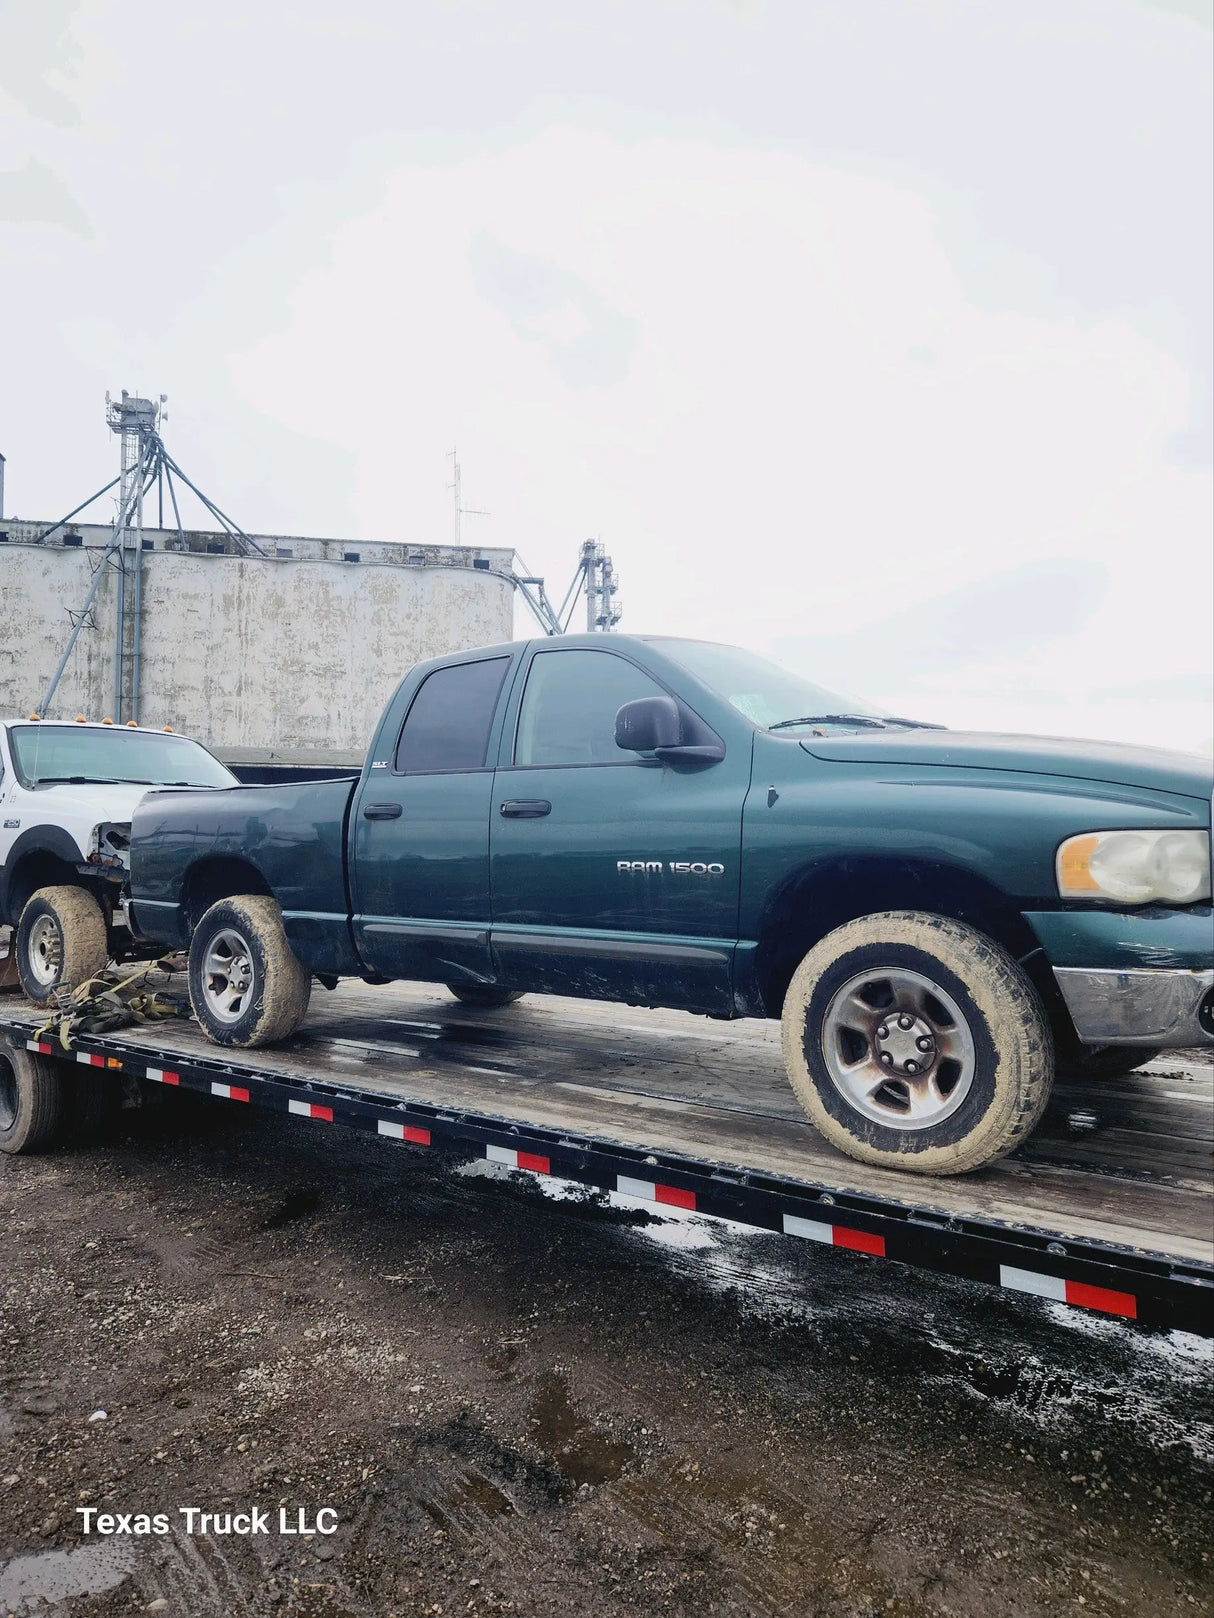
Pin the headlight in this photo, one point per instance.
(1136, 867)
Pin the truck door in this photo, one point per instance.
(614, 875)
(419, 833)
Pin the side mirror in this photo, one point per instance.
(658, 725)
(647, 724)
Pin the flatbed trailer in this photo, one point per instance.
(1109, 1207)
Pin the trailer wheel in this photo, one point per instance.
(31, 1102)
(61, 940)
(484, 994)
(916, 1042)
(246, 986)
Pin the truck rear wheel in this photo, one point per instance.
(484, 994)
(31, 1102)
(916, 1042)
(61, 940)
(246, 986)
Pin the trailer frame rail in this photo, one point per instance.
(1152, 1290)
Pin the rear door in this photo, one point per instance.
(419, 833)
(614, 875)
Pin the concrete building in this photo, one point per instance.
(283, 657)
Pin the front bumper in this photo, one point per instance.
(1139, 1005)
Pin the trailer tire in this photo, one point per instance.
(61, 941)
(916, 1042)
(247, 987)
(486, 995)
(31, 1102)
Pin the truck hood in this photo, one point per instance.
(109, 801)
(1152, 767)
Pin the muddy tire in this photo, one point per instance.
(484, 994)
(916, 1042)
(61, 940)
(246, 986)
(31, 1102)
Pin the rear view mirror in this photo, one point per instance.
(659, 725)
(647, 724)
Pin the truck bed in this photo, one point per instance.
(1113, 1195)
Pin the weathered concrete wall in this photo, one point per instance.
(243, 652)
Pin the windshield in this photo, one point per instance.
(760, 690)
(47, 753)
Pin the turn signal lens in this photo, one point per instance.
(1136, 867)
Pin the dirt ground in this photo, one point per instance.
(520, 1404)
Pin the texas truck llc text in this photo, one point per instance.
(291, 1520)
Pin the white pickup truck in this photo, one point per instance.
(67, 793)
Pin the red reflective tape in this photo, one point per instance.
(672, 1195)
(1102, 1298)
(537, 1165)
(170, 1078)
(235, 1094)
(419, 1137)
(40, 1046)
(860, 1241)
(320, 1112)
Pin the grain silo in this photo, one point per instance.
(286, 649)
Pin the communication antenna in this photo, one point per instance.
(461, 510)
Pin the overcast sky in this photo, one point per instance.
(874, 334)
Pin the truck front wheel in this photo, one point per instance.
(246, 986)
(61, 941)
(916, 1042)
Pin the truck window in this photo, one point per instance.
(447, 726)
(569, 707)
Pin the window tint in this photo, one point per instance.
(447, 727)
(570, 704)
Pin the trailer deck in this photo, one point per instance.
(1110, 1206)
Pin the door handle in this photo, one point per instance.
(383, 811)
(526, 808)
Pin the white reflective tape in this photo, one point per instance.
(812, 1229)
(302, 1109)
(636, 1188)
(221, 1089)
(502, 1154)
(1041, 1286)
(397, 1131)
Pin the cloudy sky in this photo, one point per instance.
(874, 334)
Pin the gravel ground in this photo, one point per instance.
(517, 1403)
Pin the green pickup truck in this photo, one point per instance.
(936, 917)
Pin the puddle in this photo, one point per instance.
(29, 1581)
(477, 1491)
(583, 1455)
